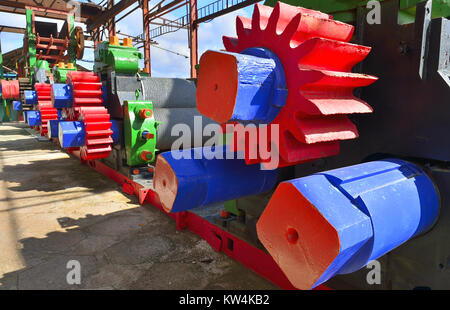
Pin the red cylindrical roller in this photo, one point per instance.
(10, 89)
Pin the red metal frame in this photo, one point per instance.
(220, 240)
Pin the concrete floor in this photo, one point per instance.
(53, 210)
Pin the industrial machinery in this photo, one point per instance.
(120, 115)
(47, 56)
(330, 153)
(364, 177)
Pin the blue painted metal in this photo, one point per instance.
(60, 115)
(62, 95)
(374, 207)
(71, 134)
(25, 117)
(17, 105)
(30, 97)
(53, 126)
(115, 130)
(104, 95)
(205, 176)
(34, 118)
(262, 88)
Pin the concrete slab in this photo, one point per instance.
(54, 210)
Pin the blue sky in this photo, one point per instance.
(164, 64)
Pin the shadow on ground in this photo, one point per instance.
(137, 248)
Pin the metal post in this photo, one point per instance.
(111, 23)
(193, 44)
(146, 32)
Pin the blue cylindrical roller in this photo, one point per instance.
(52, 127)
(61, 95)
(200, 176)
(336, 222)
(34, 118)
(17, 105)
(71, 134)
(30, 97)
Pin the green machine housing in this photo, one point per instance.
(139, 132)
(117, 63)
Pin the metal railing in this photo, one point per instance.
(204, 13)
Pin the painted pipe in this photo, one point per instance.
(246, 87)
(336, 222)
(190, 178)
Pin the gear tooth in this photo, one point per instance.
(243, 26)
(284, 20)
(325, 129)
(288, 32)
(287, 8)
(329, 92)
(320, 53)
(261, 15)
(311, 27)
(337, 105)
(231, 44)
(301, 152)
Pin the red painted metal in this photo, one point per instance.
(10, 89)
(45, 106)
(317, 60)
(87, 107)
(146, 24)
(193, 39)
(220, 240)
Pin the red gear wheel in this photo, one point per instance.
(45, 106)
(317, 60)
(87, 107)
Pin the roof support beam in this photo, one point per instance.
(104, 17)
(12, 29)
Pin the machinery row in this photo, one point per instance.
(316, 141)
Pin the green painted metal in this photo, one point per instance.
(139, 132)
(3, 113)
(72, 51)
(60, 74)
(118, 58)
(31, 41)
(345, 10)
(231, 207)
(42, 64)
